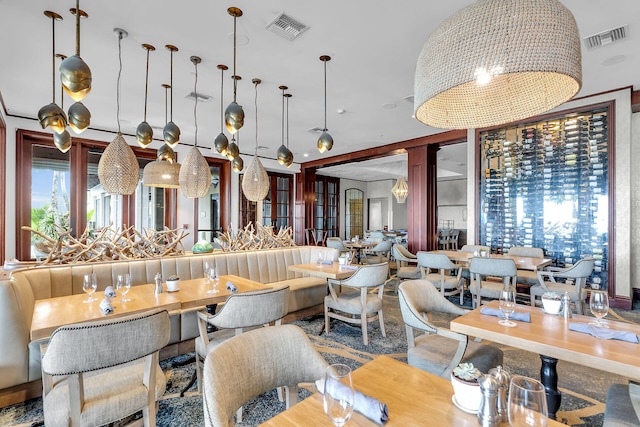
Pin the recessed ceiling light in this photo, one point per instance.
(389, 106)
(340, 110)
(461, 164)
(305, 155)
(617, 59)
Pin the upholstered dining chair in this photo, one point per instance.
(438, 350)
(473, 249)
(578, 272)
(406, 263)
(337, 243)
(253, 363)
(353, 299)
(622, 401)
(379, 253)
(441, 278)
(480, 268)
(98, 372)
(528, 277)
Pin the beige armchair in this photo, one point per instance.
(578, 272)
(441, 279)
(253, 363)
(528, 277)
(378, 254)
(337, 243)
(480, 268)
(406, 263)
(98, 372)
(353, 299)
(438, 350)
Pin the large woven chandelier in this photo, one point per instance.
(255, 181)
(400, 190)
(498, 61)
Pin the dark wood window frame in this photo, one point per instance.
(325, 181)
(224, 186)
(273, 184)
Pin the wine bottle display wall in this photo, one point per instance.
(545, 185)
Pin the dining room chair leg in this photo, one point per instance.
(381, 320)
(326, 319)
(365, 336)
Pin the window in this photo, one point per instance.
(208, 210)
(326, 218)
(277, 206)
(354, 216)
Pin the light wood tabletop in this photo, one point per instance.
(522, 262)
(413, 396)
(325, 271)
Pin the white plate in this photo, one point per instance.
(459, 406)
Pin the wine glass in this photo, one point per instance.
(320, 258)
(89, 285)
(527, 402)
(123, 286)
(599, 305)
(207, 268)
(338, 394)
(212, 277)
(507, 306)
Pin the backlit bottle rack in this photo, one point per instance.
(545, 185)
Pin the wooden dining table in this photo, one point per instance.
(333, 271)
(522, 262)
(549, 336)
(359, 246)
(413, 397)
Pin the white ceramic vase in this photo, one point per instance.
(467, 394)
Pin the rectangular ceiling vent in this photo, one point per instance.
(286, 27)
(201, 96)
(606, 37)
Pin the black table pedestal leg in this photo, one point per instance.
(549, 378)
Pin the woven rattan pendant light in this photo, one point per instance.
(171, 131)
(325, 142)
(284, 155)
(144, 132)
(195, 175)
(118, 169)
(51, 115)
(75, 74)
(234, 114)
(255, 181)
(498, 61)
(221, 143)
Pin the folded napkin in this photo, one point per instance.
(327, 262)
(522, 317)
(105, 306)
(368, 406)
(350, 267)
(109, 292)
(604, 333)
(231, 287)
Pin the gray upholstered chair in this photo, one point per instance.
(442, 278)
(378, 253)
(98, 372)
(253, 363)
(578, 272)
(620, 410)
(406, 263)
(337, 243)
(240, 311)
(473, 249)
(438, 350)
(480, 268)
(354, 297)
(528, 277)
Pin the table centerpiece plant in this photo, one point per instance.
(467, 393)
(551, 302)
(173, 283)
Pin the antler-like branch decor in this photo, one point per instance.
(258, 237)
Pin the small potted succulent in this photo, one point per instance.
(551, 302)
(467, 393)
(173, 283)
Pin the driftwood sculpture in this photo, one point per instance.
(110, 244)
(250, 238)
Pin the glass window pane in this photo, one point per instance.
(209, 209)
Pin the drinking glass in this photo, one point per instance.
(527, 402)
(207, 268)
(507, 306)
(338, 394)
(599, 305)
(320, 258)
(213, 279)
(89, 286)
(123, 286)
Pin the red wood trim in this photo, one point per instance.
(417, 230)
(601, 93)
(635, 101)
(225, 195)
(299, 209)
(432, 197)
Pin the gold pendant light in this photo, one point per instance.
(195, 174)
(284, 155)
(221, 143)
(144, 132)
(237, 164)
(171, 131)
(51, 115)
(255, 181)
(62, 140)
(234, 114)
(118, 169)
(75, 74)
(472, 74)
(400, 190)
(232, 150)
(325, 142)
(79, 117)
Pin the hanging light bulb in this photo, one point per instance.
(51, 115)
(255, 181)
(232, 149)
(237, 164)
(195, 174)
(144, 132)
(171, 131)
(75, 74)
(284, 155)
(118, 169)
(234, 114)
(79, 117)
(62, 140)
(325, 142)
(221, 143)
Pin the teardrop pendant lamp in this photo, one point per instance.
(498, 61)
(171, 131)
(232, 149)
(325, 142)
(144, 132)
(234, 114)
(255, 181)
(237, 164)
(51, 115)
(195, 174)
(284, 155)
(75, 74)
(62, 141)
(221, 143)
(118, 169)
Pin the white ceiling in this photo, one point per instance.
(374, 46)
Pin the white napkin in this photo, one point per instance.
(367, 405)
(105, 306)
(109, 292)
(231, 287)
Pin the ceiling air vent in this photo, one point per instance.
(606, 37)
(286, 27)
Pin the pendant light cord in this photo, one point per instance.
(325, 96)
(235, 81)
(146, 86)
(195, 106)
(171, 87)
(288, 119)
(166, 101)
(78, 27)
(118, 83)
(255, 83)
(53, 58)
(221, 100)
(283, 116)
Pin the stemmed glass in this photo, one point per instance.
(507, 306)
(122, 286)
(599, 305)
(89, 286)
(207, 268)
(527, 402)
(213, 278)
(338, 394)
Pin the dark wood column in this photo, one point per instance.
(417, 201)
(305, 202)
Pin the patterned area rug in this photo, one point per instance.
(583, 388)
